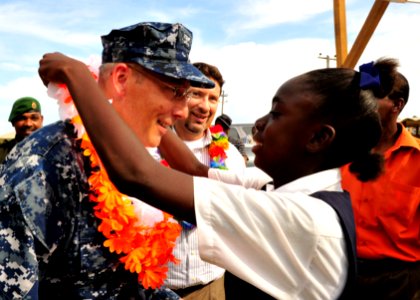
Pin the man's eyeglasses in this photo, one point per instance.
(179, 92)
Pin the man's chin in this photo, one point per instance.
(152, 144)
(196, 128)
(151, 141)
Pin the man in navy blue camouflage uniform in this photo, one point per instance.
(49, 244)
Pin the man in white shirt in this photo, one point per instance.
(193, 278)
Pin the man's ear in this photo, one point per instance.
(322, 137)
(398, 105)
(120, 76)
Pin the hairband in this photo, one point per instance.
(369, 76)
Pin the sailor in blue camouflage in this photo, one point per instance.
(49, 244)
(50, 247)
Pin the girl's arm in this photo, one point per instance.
(179, 157)
(130, 167)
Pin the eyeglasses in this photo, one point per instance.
(179, 92)
(182, 93)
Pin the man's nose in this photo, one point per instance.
(28, 122)
(181, 110)
(204, 103)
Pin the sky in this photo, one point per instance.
(256, 44)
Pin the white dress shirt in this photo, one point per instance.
(191, 270)
(285, 242)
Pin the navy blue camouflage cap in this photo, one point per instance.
(160, 47)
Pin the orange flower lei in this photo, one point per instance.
(144, 249)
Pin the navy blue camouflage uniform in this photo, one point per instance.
(49, 244)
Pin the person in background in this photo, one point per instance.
(25, 117)
(193, 278)
(387, 210)
(296, 242)
(225, 121)
(62, 223)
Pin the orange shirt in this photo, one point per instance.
(387, 211)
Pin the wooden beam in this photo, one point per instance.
(372, 20)
(340, 28)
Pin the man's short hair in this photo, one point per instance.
(211, 72)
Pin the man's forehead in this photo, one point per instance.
(29, 114)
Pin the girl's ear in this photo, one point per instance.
(321, 139)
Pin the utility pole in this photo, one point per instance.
(223, 96)
(327, 58)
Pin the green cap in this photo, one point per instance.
(23, 105)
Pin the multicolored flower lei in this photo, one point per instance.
(217, 147)
(144, 249)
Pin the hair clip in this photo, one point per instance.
(369, 76)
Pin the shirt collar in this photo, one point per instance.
(201, 142)
(328, 180)
(406, 139)
(154, 152)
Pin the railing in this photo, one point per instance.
(413, 125)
